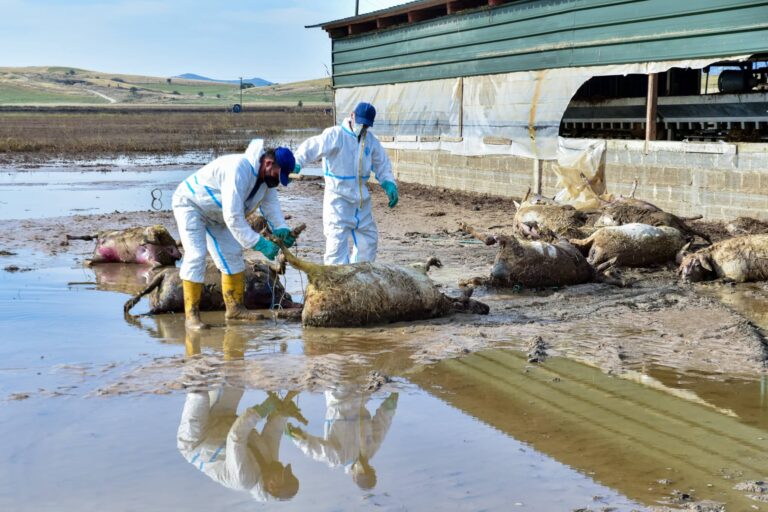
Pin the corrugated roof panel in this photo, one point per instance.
(540, 35)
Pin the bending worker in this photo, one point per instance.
(210, 209)
(350, 152)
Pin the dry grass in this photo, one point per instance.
(105, 132)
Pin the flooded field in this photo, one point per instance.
(645, 398)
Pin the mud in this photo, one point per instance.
(612, 328)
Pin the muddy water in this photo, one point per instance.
(55, 192)
(100, 411)
(95, 406)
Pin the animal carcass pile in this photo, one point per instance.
(554, 244)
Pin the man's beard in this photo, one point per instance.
(271, 181)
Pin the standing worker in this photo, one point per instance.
(350, 152)
(210, 209)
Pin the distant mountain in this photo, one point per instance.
(257, 82)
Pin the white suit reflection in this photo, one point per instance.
(229, 448)
(351, 436)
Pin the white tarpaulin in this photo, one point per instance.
(506, 114)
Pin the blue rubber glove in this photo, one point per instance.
(267, 248)
(391, 190)
(391, 402)
(285, 235)
(266, 408)
(297, 168)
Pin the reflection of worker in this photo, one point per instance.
(351, 437)
(350, 153)
(230, 450)
(210, 209)
(227, 447)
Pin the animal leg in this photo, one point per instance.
(157, 281)
(486, 239)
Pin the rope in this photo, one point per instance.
(157, 199)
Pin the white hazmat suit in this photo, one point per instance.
(347, 166)
(225, 446)
(350, 433)
(211, 207)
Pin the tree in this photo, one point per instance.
(168, 80)
(201, 94)
(300, 104)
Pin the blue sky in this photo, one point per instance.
(219, 39)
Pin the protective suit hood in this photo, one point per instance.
(253, 153)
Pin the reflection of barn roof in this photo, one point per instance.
(624, 433)
(433, 39)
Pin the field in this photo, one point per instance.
(30, 135)
(72, 86)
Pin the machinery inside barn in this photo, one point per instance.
(725, 101)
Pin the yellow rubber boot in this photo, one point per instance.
(234, 344)
(193, 293)
(192, 344)
(233, 289)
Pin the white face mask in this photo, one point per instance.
(358, 128)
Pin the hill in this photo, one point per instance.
(72, 86)
(257, 82)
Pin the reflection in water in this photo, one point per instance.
(644, 442)
(228, 447)
(645, 435)
(351, 437)
(749, 299)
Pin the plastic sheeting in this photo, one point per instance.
(506, 114)
(580, 170)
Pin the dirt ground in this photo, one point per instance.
(656, 321)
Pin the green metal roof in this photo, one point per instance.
(541, 34)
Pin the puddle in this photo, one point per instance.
(55, 192)
(104, 411)
(749, 299)
(488, 431)
(38, 194)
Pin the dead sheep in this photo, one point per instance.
(740, 259)
(368, 293)
(632, 245)
(263, 290)
(537, 264)
(151, 245)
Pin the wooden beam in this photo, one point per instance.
(650, 107)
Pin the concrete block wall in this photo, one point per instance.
(716, 180)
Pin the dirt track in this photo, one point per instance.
(656, 321)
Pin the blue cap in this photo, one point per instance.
(284, 158)
(365, 114)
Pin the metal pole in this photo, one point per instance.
(357, 7)
(650, 107)
(241, 93)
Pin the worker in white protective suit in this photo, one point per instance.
(211, 208)
(350, 153)
(351, 437)
(227, 447)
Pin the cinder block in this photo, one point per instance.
(750, 182)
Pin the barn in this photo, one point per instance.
(496, 96)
